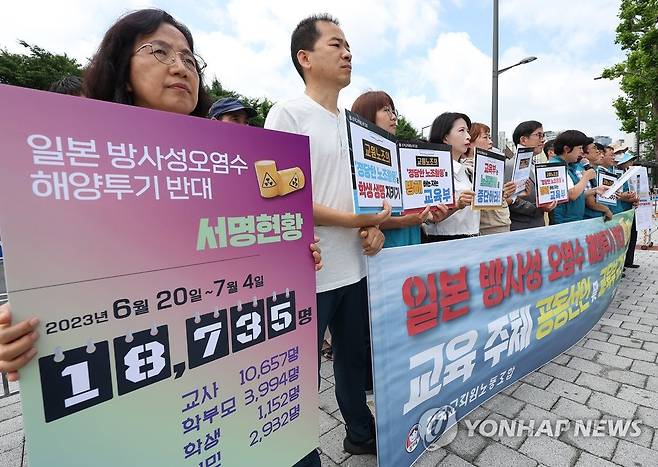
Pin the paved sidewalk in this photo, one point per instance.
(611, 373)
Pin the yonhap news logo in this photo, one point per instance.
(438, 427)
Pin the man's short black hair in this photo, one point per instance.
(71, 85)
(610, 147)
(305, 36)
(525, 129)
(599, 146)
(571, 139)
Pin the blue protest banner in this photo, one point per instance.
(454, 323)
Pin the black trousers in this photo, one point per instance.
(630, 253)
(345, 311)
(424, 238)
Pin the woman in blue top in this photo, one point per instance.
(378, 108)
(568, 148)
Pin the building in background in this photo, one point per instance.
(604, 140)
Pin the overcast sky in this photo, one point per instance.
(430, 55)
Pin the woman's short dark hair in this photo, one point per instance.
(443, 124)
(368, 103)
(108, 75)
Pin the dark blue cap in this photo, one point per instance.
(227, 105)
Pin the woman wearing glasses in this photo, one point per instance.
(378, 108)
(146, 59)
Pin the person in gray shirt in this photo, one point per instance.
(524, 213)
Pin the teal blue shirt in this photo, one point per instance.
(591, 213)
(402, 237)
(573, 210)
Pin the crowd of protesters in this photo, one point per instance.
(147, 59)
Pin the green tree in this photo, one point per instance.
(38, 69)
(637, 34)
(261, 105)
(405, 130)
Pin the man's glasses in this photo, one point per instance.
(165, 54)
(539, 135)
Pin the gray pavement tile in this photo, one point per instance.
(632, 455)
(625, 376)
(549, 451)
(467, 446)
(454, 461)
(11, 441)
(327, 422)
(579, 351)
(626, 341)
(611, 405)
(331, 444)
(497, 455)
(613, 360)
(638, 354)
(328, 401)
(588, 460)
(647, 416)
(360, 461)
(570, 410)
(652, 384)
(569, 390)
(639, 396)
(431, 458)
(615, 330)
(12, 458)
(596, 383)
(513, 441)
(504, 405)
(559, 371)
(603, 446)
(641, 436)
(326, 461)
(586, 366)
(538, 379)
(561, 359)
(11, 425)
(533, 395)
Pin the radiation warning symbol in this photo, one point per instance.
(294, 182)
(268, 181)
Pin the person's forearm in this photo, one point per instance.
(590, 202)
(396, 222)
(324, 215)
(578, 189)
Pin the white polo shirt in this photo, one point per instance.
(342, 253)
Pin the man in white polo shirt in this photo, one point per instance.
(322, 57)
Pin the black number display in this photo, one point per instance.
(143, 361)
(207, 340)
(80, 380)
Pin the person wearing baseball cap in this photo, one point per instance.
(231, 110)
(619, 148)
(568, 149)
